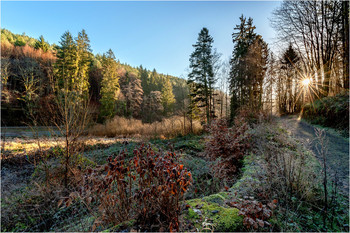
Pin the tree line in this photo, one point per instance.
(33, 72)
(312, 63)
(242, 77)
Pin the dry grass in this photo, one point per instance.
(290, 173)
(24, 145)
(19, 146)
(169, 127)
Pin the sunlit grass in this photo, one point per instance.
(16, 146)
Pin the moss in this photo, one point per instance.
(226, 219)
(249, 180)
(192, 214)
(218, 198)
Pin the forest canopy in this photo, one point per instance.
(33, 70)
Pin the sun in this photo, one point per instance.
(306, 82)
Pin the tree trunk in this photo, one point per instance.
(345, 38)
(327, 76)
(66, 162)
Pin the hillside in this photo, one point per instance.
(23, 55)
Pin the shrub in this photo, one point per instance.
(169, 127)
(147, 187)
(253, 116)
(332, 111)
(255, 213)
(227, 146)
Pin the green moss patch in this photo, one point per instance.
(218, 198)
(208, 210)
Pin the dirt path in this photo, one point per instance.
(338, 147)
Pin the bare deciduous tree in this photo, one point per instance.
(314, 28)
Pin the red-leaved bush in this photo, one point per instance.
(255, 213)
(147, 187)
(227, 146)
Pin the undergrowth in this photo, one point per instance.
(127, 189)
(147, 188)
(227, 146)
(280, 168)
(166, 128)
(332, 111)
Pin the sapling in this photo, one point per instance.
(321, 147)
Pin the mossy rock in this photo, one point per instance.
(222, 218)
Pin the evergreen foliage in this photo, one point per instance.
(109, 85)
(84, 59)
(133, 93)
(152, 107)
(21, 39)
(287, 95)
(201, 65)
(67, 62)
(41, 44)
(71, 69)
(168, 98)
(193, 112)
(248, 66)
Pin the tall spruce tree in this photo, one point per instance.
(248, 66)
(144, 80)
(290, 69)
(72, 112)
(109, 85)
(66, 66)
(168, 98)
(201, 65)
(84, 57)
(133, 93)
(193, 112)
(152, 107)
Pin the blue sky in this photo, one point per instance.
(155, 34)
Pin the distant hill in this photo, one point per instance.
(21, 53)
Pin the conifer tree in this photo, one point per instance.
(66, 67)
(41, 44)
(193, 112)
(109, 85)
(168, 98)
(154, 81)
(144, 80)
(289, 68)
(72, 115)
(84, 57)
(134, 96)
(152, 107)
(201, 65)
(248, 67)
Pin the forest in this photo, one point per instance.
(256, 142)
